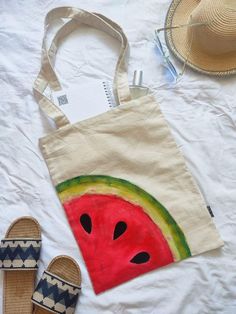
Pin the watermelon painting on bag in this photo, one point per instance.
(121, 229)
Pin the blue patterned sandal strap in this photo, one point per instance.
(55, 294)
(19, 254)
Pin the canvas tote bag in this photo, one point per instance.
(130, 200)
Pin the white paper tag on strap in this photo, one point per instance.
(80, 102)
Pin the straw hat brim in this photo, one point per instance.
(178, 41)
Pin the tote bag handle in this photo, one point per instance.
(47, 75)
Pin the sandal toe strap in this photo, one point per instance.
(55, 294)
(19, 254)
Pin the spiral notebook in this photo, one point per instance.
(80, 102)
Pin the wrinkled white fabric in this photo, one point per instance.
(201, 112)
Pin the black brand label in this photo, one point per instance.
(210, 211)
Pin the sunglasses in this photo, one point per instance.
(164, 52)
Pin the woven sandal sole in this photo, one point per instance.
(19, 284)
(66, 268)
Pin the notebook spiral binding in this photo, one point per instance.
(109, 94)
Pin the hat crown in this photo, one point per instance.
(218, 34)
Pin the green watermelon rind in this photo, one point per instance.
(173, 228)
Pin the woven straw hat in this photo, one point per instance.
(209, 46)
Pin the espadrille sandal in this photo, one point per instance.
(19, 256)
(59, 287)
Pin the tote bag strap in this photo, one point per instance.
(47, 75)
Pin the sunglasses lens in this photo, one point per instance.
(172, 68)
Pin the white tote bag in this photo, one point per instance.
(130, 200)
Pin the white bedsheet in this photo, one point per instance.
(200, 110)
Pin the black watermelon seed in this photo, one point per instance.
(86, 222)
(140, 258)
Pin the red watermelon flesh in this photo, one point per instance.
(118, 239)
